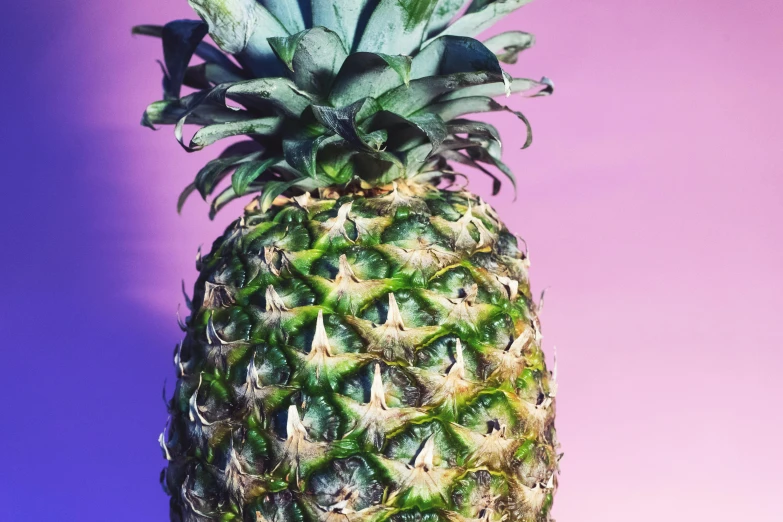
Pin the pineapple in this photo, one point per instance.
(362, 344)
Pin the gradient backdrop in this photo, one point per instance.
(652, 200)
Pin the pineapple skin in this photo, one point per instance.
(365, 355)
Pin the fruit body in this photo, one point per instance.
(363, 345)
(368, 357)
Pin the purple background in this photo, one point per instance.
(652, 200)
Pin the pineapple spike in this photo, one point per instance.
(512, 286)
(424, 459)
(553, 381)
(294, 429)
(194, 413)
(304, 200)
(182, 324)
(274, 303)
(526, 252)
(457, 370)
(162, 440)
(518, 346)
(178, 359)
(345, 272)
(550, 483)
(336, 226)
(188, 302)
(252, 373)
(320, 346)
(393, 317)
(540, 306)
(377, 392)
(212, 335)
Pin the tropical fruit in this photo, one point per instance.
(363, 344)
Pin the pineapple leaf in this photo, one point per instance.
(400, 63)
(180, 40)
(293, 15)
(428, 124)
(528, 88)
(262, 93)
(483, 155)
(508, 45)
(481, 15)
(396, 26)
(443, 14)
(272, 189)
(301, 154)
(269, 126)
(221, 200)
(420, 93)
(368, 75)
(241, 27)
(454, 54)
(314, 56)
(470, 127)
(344, 18)
(458, 157)
(206, 51)
(342, 120)
(169, 112)
(184, 195)
(285, 47)
(214, 171)
(206, 75)
(248, 172)
(451, 109)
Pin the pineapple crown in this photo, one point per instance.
(333, 92)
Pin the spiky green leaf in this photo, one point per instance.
(508, 45)
(458, 157)
(180, 40)
(344, 18)
(217, 169)
(454, 54)
(451, 109)
(169, 112)
(270, 126)
(314, 55)
(481, 15)
(206, 51)
(406, 100)
(342, 120)
(301, 154)
(207, 75)
(396, 26)
(265, 93)
(528, 88)
(248, 172)
(184, 195)
(443, 14)
(400, 63)
(241, 27)
(365, 75)
(429, 125)
(292, 14)
(272, 189)
(221, 200)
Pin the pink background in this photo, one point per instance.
(652, 201)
